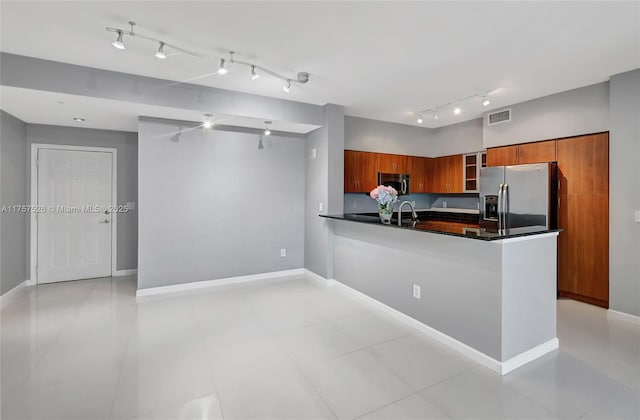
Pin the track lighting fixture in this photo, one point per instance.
(254, 75)
(160, 54)
(222, 70)
(456, 105)
(267, 132)
(260, 145)
(118, 42)
(207, 123)
(78, 119)
(256, 70)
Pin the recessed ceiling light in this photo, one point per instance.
(78, 119)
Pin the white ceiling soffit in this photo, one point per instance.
(380, 59)
(40, 107)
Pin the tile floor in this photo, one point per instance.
(285, 350)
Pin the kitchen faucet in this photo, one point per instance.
(414, 216)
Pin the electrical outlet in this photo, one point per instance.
(444, 204)
(413, 203)
(283, 252)
(320, 207)
(314, 153)
(416, 291)
(637, 216)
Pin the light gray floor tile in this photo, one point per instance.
(371, 328)
(480, 394)
(421, 362)
(624, 404)
(562, 384)
(412, 407)
(316, 342)
(356, 384)
(286, 395)
(202, 408)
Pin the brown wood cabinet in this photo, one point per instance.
(583, 245)
(445, 175)
(520, 154)
(418, 174)
(360, 171)
(393, 164)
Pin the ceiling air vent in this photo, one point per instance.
(499, 117)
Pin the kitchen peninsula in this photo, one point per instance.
(491, 296)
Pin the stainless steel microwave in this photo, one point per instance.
(401, 182)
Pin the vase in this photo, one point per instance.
(385, 211)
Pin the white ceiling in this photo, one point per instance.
(38, 107)
(381, 60)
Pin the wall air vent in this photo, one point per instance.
(499, 117)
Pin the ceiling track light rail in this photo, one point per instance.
(457, 106)
(255, 69)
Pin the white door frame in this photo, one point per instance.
(34, 200)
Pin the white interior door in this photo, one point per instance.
(74, 237)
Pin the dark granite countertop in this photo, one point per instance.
(444, 229)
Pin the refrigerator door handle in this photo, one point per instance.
(500, 206)
(505, 204)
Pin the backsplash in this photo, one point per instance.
(457, 201)
(362, 203)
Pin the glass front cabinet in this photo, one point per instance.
(471, 164)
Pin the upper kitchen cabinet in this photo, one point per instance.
(472, 163)
(418, 174)
(520, 154)
(393, 164)
(445, 175)
(360, 171)
(584, 163)
(502, 156)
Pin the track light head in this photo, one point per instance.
(267, 132)
(160, 53)
(207, 123)
(485, 101)
(118, 42)
(457, 110)
(222, 70)
(254, 75)
(436, 116)
(287, 87)
(420, 120)
(260, 145)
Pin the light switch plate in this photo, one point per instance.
(320, 207)
(314, 153)
(637, 216)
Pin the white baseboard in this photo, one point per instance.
(10, 294)
(206, 284)
(316, 279)
(500, 367)
(128, 272)
(30, 282)
(623, 316)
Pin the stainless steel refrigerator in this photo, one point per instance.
(519, 195)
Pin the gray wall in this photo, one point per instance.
(624, 193)
(212, 205)
(13, 191)
(385, 137)
(571, 113)
(324, 184)
(464, 137)
(127, 145)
